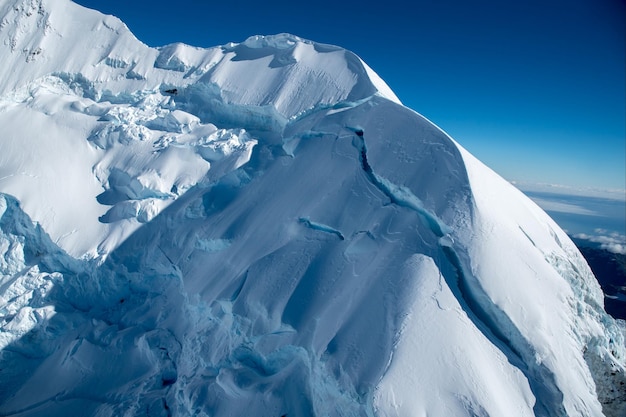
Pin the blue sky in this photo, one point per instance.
(535, 89)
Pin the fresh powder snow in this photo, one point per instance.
(262, 228)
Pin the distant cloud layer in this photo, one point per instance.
(610, 241)
(597, 216)
(611, 194)
(561, 207)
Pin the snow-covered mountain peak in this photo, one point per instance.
(43, 36)
(49, 32)
(263, 226)
(127, 93)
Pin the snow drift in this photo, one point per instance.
(263, 226)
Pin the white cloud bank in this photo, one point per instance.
(618, 194)
(549, 205)
(610, 241)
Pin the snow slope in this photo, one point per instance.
(263, 226)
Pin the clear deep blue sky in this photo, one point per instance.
(535, 89)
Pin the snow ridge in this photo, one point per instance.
(185, 239)
(487, 317)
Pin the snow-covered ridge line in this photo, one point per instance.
(115, 60)
(213, 236)
(487, 317)
(115, 73)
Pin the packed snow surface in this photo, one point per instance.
(262, 228)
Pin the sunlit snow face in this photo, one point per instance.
(275, 233)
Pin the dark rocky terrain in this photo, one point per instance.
(610, 270)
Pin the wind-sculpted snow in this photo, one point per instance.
(121, 159)
(261, 228)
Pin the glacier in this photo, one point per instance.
(263, 228)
